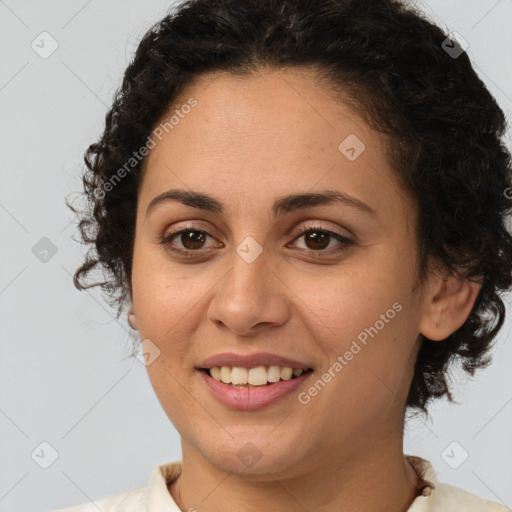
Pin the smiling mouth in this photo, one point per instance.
(259, 376)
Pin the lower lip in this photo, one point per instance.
(250, 399)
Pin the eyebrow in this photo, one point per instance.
(281, 206)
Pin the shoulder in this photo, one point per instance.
(129, 501)
(441, 497)
(154, 496)
(449, 498)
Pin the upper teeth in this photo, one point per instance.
(258, 376)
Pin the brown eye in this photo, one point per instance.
(192, 239)
(190, 242)
(317, 240)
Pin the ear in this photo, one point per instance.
(132, 319)
(447, 305)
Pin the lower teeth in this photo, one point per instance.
(250, 385)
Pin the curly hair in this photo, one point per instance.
(444, 134)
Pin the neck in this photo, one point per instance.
(377, 478)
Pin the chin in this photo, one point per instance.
(256, 456)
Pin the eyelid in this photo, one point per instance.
(314, 224)
(183, 229)
(298, 231)
(192, 226)
(343, 241)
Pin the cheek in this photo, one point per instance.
(364, 316)
(164, 295)
(345, 304)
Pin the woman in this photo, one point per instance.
(303, 204)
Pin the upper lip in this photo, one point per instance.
(251, 361)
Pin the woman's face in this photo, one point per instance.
(242, 280)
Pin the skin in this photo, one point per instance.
(249, 141)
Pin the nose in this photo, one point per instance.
(250, 297)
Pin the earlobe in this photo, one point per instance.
(448, 306)
(132, 319)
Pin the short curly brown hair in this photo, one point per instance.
(395, 68)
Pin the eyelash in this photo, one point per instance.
(189, 253)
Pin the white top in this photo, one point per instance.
(155, 497)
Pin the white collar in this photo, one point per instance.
(159, 499)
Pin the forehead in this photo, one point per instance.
(266, 135)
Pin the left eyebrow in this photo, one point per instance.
(281, 206)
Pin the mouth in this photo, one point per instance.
(249, 389)
(257, 377)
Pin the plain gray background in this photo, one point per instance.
(64, 379)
